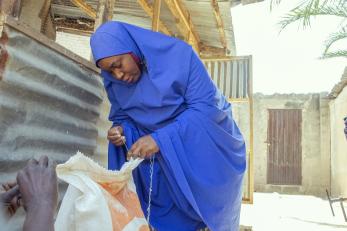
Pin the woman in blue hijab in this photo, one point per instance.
(167, 108)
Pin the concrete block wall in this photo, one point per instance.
(241, 115)
(315, 140)
(338, 110)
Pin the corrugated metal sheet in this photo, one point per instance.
(205, 22)
(49, 103)
(168, 19)
(231, 76)
(284, 147)
(201, 14)
(130, 11)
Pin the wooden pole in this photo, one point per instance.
(149, 10)
(219, 22)
(183, 21)
(85, 7)
(251, 127)
(156, 15)
(104, 12)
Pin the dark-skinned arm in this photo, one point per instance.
(39, 190)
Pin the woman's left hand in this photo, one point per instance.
(144, 147)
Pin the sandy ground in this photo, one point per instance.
(273, 211)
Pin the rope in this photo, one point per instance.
(150, 188)
(151, 159)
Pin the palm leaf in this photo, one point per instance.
(334, 54)
(273, 3)
(306, 11)
(311, 2)
(342, 34)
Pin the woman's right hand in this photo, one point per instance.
(115, 136)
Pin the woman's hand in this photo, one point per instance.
(144, 147)
(115, 136)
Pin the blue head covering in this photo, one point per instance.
(158, 52)
(198, 171)
(167, 64)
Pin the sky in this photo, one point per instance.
(286, 62)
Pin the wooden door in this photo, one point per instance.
(284, 147)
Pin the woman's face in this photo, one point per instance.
(121, 67)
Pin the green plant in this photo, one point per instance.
(308, 9)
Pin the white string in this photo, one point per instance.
(150, 188)
(151, 159)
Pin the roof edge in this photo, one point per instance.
(337, 89)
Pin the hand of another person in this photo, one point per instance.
(38, 185)
(9, 198)
(115, 135)
(144, 147)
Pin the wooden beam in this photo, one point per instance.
(44, 15)
(104, 12)
(156, 15)
(100, 14)
(238, 100)
(89, 10)
(110, 8)
(222, 58)
(11, 7)
(149, 10)
(193, 35)
(182, 17)
(219, 22)
(178, 21)
(212, 51)
(75, 31)
(75, 26)
(2, 22)
(251, 132)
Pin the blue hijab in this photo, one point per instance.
(199, 169)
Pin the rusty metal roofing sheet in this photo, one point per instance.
(50, 99)
(205, 22)
(201, 13)
(130, 11)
